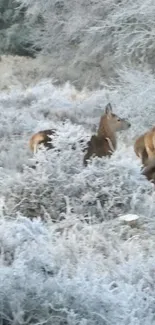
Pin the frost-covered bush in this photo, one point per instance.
(13, 30)
(86, 275)
(81, 41)
(86, 41)
(78, 264)
(103, 190)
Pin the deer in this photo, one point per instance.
(45, 137)
(140, 150)
(149, 143)
(41, 137)
(144, 148)
(149, 171)
(104, 143)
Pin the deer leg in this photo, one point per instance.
(144, 157)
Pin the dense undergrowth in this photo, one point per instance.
(65, 257)
(79, 265)
(84, 42)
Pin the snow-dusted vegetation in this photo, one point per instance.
(66, 258)
(78, 264)
(85, 41)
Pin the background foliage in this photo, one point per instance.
(81, 41)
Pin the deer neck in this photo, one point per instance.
(105, 131)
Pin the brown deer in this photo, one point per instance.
(149, 170)
(105, 142)
(44, 137)
(41, 137)
(149, 143)
(140, 150)
(144, 148)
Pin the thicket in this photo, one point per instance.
(81, 41)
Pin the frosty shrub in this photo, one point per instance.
(89, 275)
(103, 190)
(13, 30)
(86, 41)
(65, 256)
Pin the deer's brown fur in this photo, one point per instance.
(149, 171)
(41, 137)
(140, 151)
(149, 143)
(105, 142)
(144, 148)
(44, 137)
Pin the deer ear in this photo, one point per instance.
(108, 109)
